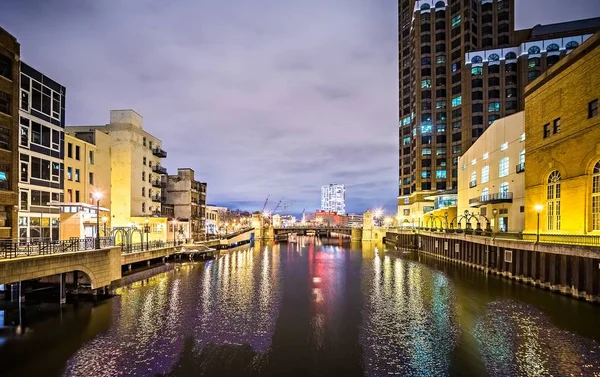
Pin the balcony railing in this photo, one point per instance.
(157, 183)
(159, 169)
(520, 167)
(472, 184)
(499, 197)
(156, 198)
(159, 152)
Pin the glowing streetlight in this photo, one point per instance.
(388, 221)
(538, 208)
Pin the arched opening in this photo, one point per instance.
(596, 197)
(553, 201)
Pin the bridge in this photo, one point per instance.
(318, 230)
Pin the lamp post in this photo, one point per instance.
(97, 197)
(147, 231)
(104, 220)
(538, 208)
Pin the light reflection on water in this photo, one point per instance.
(317, 308)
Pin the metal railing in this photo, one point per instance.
(565, 239)
(489, 198)
(159, 152)
(145, 246)
(24, 248)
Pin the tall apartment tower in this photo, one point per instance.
(9, 133)
(333, 198)
(434, 110)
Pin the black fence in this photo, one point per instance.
(23, 248)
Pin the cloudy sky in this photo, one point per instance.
(258, 97)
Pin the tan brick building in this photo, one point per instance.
(9, 133)
(562, 128)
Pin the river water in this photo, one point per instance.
(317, 308)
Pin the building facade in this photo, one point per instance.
(214, 217)
(41, 160)
(10, 71)
(136, 170)
(491, 179)
(333, 198)
(355, 220)
(562, 129)
(434, 125)
(188, 198)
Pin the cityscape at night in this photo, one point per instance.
(299, 188)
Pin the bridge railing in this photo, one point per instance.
(24, 248)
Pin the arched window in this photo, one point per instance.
(571, 45)
(552, 47)
(493, 58)
(596, 197)
(476, 59)
(485, 194)
(510, 56)
(440, 4)
(533, 50)
(553, 200)
(425, 6)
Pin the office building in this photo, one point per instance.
(491, 179)
(355, 220)
(9, 134)
(188, 198)
(136, 170)
(41, 148)
(562, 129)
(333, 198)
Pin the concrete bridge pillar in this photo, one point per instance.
(356, 234)
(63, 288)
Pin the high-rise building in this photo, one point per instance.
(333, 198)
(41, 147)
(9, 134)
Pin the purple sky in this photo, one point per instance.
(258, 97)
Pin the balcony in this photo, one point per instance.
(156, 198)
(159, 169)
(159, 152)
(520, 167)
(157, 183)
(472, 184)
(500, 197)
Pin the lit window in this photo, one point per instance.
(553, 201)
(485, 174)
(504, 146)
(441, 59)
(523, 136)
(440, 105)
(473, 177)
(485, 194)
(556, 125)
(70, 173)
(477, 71)
(426, 152)
(455, 20)
(486, 156)
(596, 197)
(440, 174)
(464, 166)
(473, 161)
(426, 128)
(425, 174)
(456, 101)
(426, 83)
(504, 188)
(405, 141)
(494, 106)
(503, 171)
(441, 128)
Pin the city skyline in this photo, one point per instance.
(289, 111)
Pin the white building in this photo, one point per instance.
(333, 198)
(490, 179)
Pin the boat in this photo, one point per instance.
(281, 237)
(197, 250)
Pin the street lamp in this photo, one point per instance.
(538, 208)
(97, 197)
(104, 220)
(147, 231)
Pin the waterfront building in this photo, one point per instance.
(355, 220)
(136, 170)
(562, 129)
(41, 159)
(87, 172)
(10, 71)
(214, 217)
(333, 198)
(329, 218)
(188, 198)
(434, 123)
(491, 179)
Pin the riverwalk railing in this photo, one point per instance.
(25, 248)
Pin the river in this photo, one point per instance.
(316, 308)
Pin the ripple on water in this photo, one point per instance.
(516, 339)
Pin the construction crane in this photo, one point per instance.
(277, 206)
(265, 205)
(302, 215)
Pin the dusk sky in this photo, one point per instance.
(258, 97)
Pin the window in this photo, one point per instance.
(144, 174)
(510, 56)
(426, 152)
(440, 105)
(486, 155)
(476, 71)
(504, 146)
(522, 138)
(493, 57)
(596, 197)
(77, 157)
(76, 196)
(473, 177)
(24, 200)
(553, 201)
(476, 59)
(5, 103)
(69, 196)
(593, 108)
(494, 106)
(522, 157)
(485, 174)
(546, 130)
(571, 45)
(91, 179)
(4, 177)
(533, 50)
(24, 132)
(503, 171)
(426, 83)
(144, 161)
(456, 101)
(473, 161)
(4, 138)
(76, 175)
(70, 150)
(556, 125)
(91, 158)
(441, 59)
(6, 66)
(485, 193)
(143, 191)
(425, 174)
(70, 173)
(143, 207)
(503, 189)
(24, 171)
